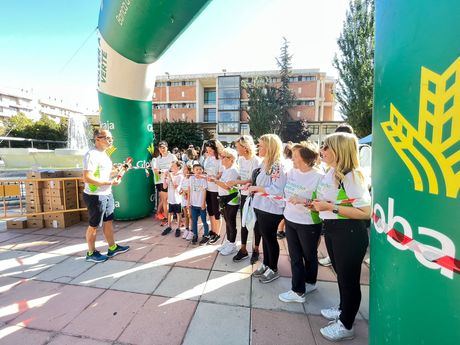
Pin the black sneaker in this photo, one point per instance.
(204, 240)
(213, 239)
(254, 257)
(194, 239)
(166, 231)
(280, 235)
(177, 232)
(240, 256)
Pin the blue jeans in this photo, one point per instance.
(198, 212)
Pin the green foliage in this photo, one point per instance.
(355, 65)
(263, 107)
(287, 96)
(21, 126)
(178, 133)
(297, 131)
(268, 105)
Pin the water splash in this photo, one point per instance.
(78, 130)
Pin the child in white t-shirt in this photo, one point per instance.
(173, 181)
(187, 171)
(197, 201)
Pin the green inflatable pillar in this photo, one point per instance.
(133, 34)
(415, 240)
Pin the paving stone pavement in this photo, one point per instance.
(163, 291)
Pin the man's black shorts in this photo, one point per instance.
(160, 188)
(175, 208)
(100, 208)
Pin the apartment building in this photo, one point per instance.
(218, 102)
(13, 101)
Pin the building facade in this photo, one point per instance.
(218, 102)
(13, 101)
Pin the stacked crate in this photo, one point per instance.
(34, 197)
(61, 196)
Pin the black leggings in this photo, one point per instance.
(267, 224)
(230, 212)
(302, 240)
(346, 242)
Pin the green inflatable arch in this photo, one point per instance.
(133, 34)
(415, 270)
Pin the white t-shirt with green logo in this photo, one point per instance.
(352, 188)
(99, 164)
(245, 169)
(301, 185)
(230, 174)
(163, 164)
(212, 167)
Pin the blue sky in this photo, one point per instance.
(37, 39)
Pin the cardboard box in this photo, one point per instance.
(59, 184)
(72, 173)
(19, 223)
(46, 200)
(33, 203)
(81, 185)
(63, 220)
(60, 204)
(34, 185)
(35, 217)
(43, 174)
(34, 208)
(68, 192)
(84, 216)
(35, 223)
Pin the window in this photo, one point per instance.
(230, 128)
(209, 115)
(229, 81)
(308, 103)
(229, 104)
(188, 83)
(176, 83)
(229, 116)
(209, 96)
(229, 93)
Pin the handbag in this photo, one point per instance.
(249, 216)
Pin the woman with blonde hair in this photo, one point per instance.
(343, 202)
(269, 211)
(247, 163)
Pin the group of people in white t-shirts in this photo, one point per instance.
(312, 199)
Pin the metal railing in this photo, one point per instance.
(31, 142)
(16, 190)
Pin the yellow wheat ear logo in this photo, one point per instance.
(110, 150)
(437, 139)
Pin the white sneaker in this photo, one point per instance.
(309, 288)
(336, 331)
(189, 236)
(229, 249)
(331, 313)
(185, 234)
(223, 246)
(325, 261)
(291, 296)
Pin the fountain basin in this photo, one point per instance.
(31, 158)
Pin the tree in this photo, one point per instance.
(179, 133)
(286, 97)
(297, 131)
(355, 66)
(20, 125)
(263, 107)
